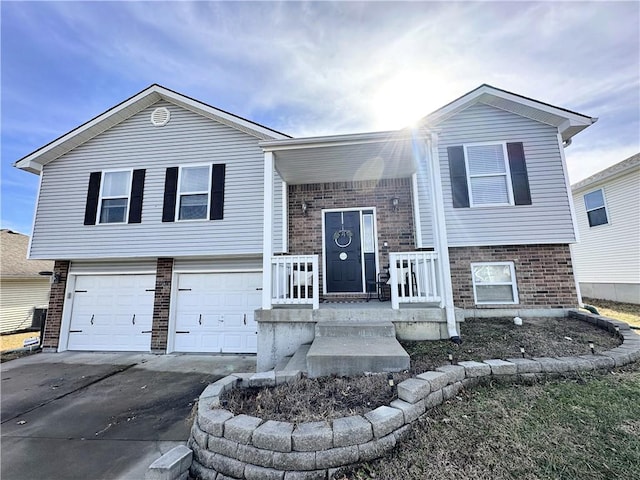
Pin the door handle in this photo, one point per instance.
(245, 319)
(133, 320)
(200, 319)
(92, 319)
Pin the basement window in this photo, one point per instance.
(494, 283)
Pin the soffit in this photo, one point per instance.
(391, 158)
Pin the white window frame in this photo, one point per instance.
(507, 174)
(179, 194)
(604, 205)
(101, 197)
(513, 283)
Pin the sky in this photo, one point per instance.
(313, 68)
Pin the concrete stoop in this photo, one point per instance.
(348, 348)
(299, 359)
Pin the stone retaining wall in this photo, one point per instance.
(227, 446)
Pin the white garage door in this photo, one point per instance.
(112, 313)
(214, 312)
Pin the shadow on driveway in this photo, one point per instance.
(100, 416)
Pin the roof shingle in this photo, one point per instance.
(13, 262)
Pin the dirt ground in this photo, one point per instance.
(332, 397)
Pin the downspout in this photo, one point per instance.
(441, 242)
(581, 304)
(574, 221)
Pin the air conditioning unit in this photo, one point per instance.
(39, 316)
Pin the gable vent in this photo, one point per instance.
(160, 117)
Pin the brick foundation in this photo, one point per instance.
(393, 226)
(161, 303)
(53, 321)
(544, 274)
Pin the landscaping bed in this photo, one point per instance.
(332, 397)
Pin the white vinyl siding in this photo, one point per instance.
(18, 297)
(188, 139)
(610, 253)
(547, 220)
(425, 207)
(494, 283)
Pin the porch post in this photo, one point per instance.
(440, 235)
(267, 234)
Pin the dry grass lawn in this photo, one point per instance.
(626, 312)
(11, 342)
(578, 428)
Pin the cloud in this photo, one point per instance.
(313, 68)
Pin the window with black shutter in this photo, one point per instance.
(114, 196)
(488, 174)
(194, 192)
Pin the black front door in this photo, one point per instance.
(343, 252)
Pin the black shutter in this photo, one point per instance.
(519, 177)
(137, 191)
(458, 175)
(217, 192)
(93, 193)
(170, 190)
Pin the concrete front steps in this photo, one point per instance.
(348, 348)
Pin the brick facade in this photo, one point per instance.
(161, 303)
(53, 321)
(394, 226)
(544, 274)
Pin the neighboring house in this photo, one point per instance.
(22, 289)
(607, 257)
(186, 228)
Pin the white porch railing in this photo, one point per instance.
(294, 280)
(413, 278)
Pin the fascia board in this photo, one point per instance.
(88, 130)
(475, 96)
(602, 177)
(333, 141)
(227, 118)
(125, 110)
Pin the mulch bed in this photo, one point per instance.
(332, 397)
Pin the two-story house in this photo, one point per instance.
(178, 227)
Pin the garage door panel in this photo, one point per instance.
(111, 312)
(226, 303)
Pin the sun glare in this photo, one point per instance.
(403, 100)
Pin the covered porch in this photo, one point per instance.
(353, 231)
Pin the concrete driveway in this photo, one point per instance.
(100, 415)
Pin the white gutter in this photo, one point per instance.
(440, 235)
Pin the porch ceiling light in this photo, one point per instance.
(394, 203)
